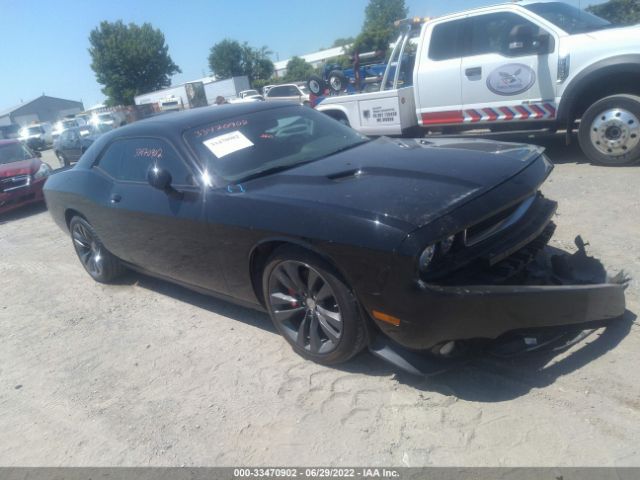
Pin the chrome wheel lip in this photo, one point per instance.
(88, 249)
(615, 132)
(305, 307)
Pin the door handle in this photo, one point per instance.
(473, 72)
(115, 198)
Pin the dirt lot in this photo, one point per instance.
(146, 373)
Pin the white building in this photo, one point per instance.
(316, 59)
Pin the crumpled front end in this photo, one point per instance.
(499, 276)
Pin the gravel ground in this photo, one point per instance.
(147, 373)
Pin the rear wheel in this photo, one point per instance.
(101, 264)
(312, 308)
(609, 132)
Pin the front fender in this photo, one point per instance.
(594, 74)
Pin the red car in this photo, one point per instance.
(22, 175)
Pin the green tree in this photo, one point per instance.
(342, 41)
(226, 59)
(378, 28)
(129, 60)
(258, 65)
(621, 12)
(298, 70)
(230, 58)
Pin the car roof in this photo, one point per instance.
(176, 122)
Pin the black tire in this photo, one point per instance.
(300, 287)
(338, 81)
(101, 264)
(316, 85)
(609, 132)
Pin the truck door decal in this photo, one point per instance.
(511, 79)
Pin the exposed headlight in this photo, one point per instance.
(43, 171)
(446, 244)
(426, 257)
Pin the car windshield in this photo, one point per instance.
(14, 152)
(105, 117)
(569, 18)
(34, 130)
(68, 123)
(260, 143)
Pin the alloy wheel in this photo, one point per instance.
(305, 306)
(88, 249)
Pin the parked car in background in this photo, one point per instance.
(266, 89)
(345, 241)
(247, 96)
(73, 142)
(10, 131)
(290, 93)
(37, 136)
(22, 175)
(85, 117)
(65, 124)
(113, 119)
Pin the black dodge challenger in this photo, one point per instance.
(402, 245)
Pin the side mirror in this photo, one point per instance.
(542, 43)
(160, 178)
(521, 40)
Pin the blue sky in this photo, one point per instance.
(46, 42)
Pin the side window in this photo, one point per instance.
(504, 33)
(129, 160)
(276, 92)
(448, 40)
(293, 91)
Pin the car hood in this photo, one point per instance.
(23, 167)
(411, 182)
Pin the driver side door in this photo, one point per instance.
(162, 232)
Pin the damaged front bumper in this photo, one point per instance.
(556, 294)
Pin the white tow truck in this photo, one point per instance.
(516, 66)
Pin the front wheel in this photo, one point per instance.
(609, 132)
(312, 308)
(101, 264)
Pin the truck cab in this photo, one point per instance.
(520, 66)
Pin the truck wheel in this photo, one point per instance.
(316, 85)
(609, 132)
(337, 81)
